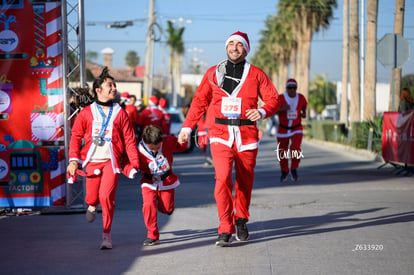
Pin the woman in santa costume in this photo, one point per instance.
(292, 110)
(233, 88)
(100, 135)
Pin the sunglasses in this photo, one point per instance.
(291, 88)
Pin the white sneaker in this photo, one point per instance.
(106, 241)
(91, 213)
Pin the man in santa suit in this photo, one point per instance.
(292, 110)
(233, 88)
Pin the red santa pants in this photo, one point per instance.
(100, 189)
(292, 152)
(229, 208)
(153, 200)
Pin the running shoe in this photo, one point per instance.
(224, 240)
(284, 177)
(91, 213)
(106, 241)
(151, 242)
(242, 234)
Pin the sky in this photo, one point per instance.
(209, 23)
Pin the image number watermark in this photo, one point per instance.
(368, 247)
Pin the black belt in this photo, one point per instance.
(163, 177)
(289, 128)
(234, 121)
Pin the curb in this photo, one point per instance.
(361, 152)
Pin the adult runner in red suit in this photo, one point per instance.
(100, 135)
(152, 115)
(233, 88)
(292, 110)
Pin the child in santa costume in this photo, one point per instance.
(292, 110)
(232, 89)
(100, 135)
(158, 181)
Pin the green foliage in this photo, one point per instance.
(321, 93)
(131, 59)
(407, 81)
(91, 55)
(328, 130)
(360, 134)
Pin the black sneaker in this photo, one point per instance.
(151, 242)
(224, 239)
(284, 177)
(294, 175)
(242, 234)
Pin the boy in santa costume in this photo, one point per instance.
(100, 135)
(292, 110)
(158, 181)
(233, 88)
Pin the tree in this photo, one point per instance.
(371, 61)
(355, 105)
(176, 44)
(91, 55)
(321, 93)
(308, 16)
(343, 114)
(131, 59)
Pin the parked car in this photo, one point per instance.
(177, 120)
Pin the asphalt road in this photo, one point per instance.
(345, 216)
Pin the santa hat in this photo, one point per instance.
(153, 100)
(291, 83)
(125, 96)
(162, 103)
(241, 37)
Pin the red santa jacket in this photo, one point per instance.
(152, 116)
(132, 114)
(122, 137)
(290, 119)
(254, 84)
(156, 170)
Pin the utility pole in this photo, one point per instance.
(397, 72)
(148, 53)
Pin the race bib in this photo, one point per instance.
(292, 114)
(231, 107)
(159, 166)
(96, 130)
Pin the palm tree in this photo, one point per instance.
(322, 93)
(355, 105)
(176, 44)
(131, 59)
(309, 16)
(343, 115)
(276, 48)
(371, 61)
